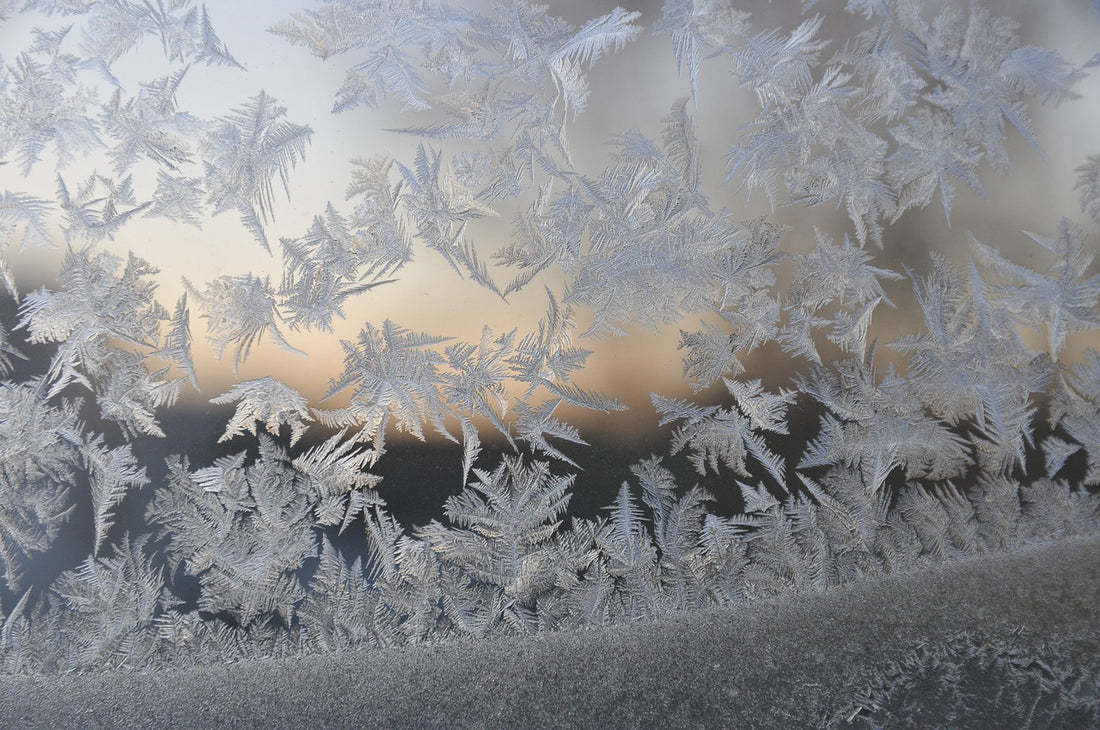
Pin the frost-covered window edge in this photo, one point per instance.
(981, 443)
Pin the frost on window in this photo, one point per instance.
(354, 227)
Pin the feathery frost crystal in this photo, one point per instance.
(975, 429)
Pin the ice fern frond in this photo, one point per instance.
(970, 363)
(150, 126)
(879, 427)
(7, 352)
(504, 525)
(339, 609)
(209, 48)
(718, 436)
(606, 33)
(711, 354)
(1088, 182)
(682, 147)
(268, 401)
(1063, 301)
(19, 210)
(1077, 408)
(589, 399)
(240, 310)
(767, 411)
(383, 243)
(598, 36)
(393, 373)
(111, 473)
(699, 26)
(779, 67)
(475, 383)
(176, 347)
(97, 308)
(631, 556)
(177, 198)
(534, 424)
(96, 211)
(536, 47)
(113, 603)
(442, 206)
(185, 32)
(39, 465)
(382, 37)
(244, 153)
(837, 272)
(336, 477)
(323, 269)
(244, 540)
(41, 106)
(549, 356)
(981, 72)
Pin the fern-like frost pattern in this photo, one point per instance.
(973, 430)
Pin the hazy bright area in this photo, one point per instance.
(631, 89)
